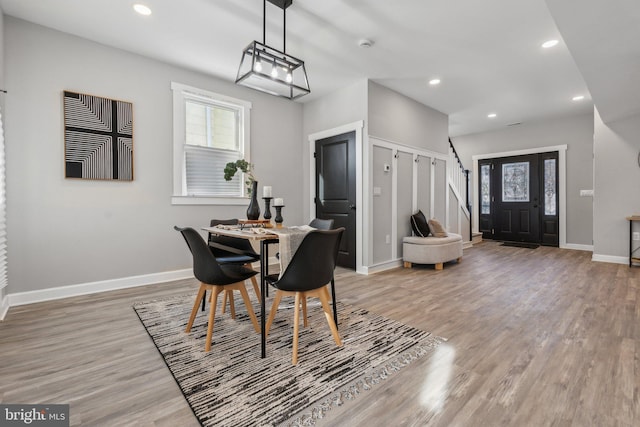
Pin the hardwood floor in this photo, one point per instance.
(535, 338)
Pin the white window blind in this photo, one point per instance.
(210, 130)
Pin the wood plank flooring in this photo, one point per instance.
(535, 338)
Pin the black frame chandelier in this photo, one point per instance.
(269, 70)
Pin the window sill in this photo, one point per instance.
(190, 200)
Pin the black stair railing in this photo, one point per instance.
(467, 184)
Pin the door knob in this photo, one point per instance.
(352, 207)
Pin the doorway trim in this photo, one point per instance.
(350, 127)
(562, 184)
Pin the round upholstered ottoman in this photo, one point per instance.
(431, 250)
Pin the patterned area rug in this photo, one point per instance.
(233, 386)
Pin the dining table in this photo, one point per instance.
(266, 237)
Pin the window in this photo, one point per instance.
(485, 189)
(209, 130)
(550, 187)
(515, 182)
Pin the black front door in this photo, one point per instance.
(519, 198)
(336, 190)
(517, 202)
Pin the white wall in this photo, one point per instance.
(576, 132)
(64, 231)
(617, 186)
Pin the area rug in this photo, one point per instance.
(521, 245)
(232, 386)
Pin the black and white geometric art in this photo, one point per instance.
(98, 137)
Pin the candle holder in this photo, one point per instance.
(278, 217)
(267, 203)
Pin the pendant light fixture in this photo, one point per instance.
(269, 70)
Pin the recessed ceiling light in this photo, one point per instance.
(434, 82)
(578, 98)
(142, 9)
(365, 43)
(491, 115)
(549, 43)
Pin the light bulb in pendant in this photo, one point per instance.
(289, 77)
(258, 66)
(274, 71)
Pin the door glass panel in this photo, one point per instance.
(550, 187)
(485, 185)
(515, 182)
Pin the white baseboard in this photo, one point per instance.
(21, 298)
(4, 307)
(383, 266)
(610, 258)
(576, 247)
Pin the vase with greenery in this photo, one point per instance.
(253, 210)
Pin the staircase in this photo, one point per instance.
(458, 182)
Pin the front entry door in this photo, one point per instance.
(336, 190)
(517, 202)
(519, 198)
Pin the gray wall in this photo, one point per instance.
(63, 231)
(400, 119)
(617, 184)
(577, 133)
(3, 291)
(381, 212)
(345, 106)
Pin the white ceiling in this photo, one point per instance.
(487, 53)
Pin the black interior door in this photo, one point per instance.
(336, 190)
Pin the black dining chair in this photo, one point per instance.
(321, 224)
(231, 250)
(307, 275)
(324, 224)
(215, 278)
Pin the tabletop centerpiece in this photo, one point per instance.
(230, 169)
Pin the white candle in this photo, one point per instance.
(278, 201)
(266, 191)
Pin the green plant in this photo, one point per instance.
(231, 168)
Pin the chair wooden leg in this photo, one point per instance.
(200, 297)
(407, 264)
(247, 303)
(256, 289)
(323, 294)
(459, 260)
(212, 314)
(304, 311)
(232, 306)
(272, 313)
(296, 323)
(224, 302)
(439, 266)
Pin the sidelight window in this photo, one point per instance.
(485, 189)
(550, 187)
